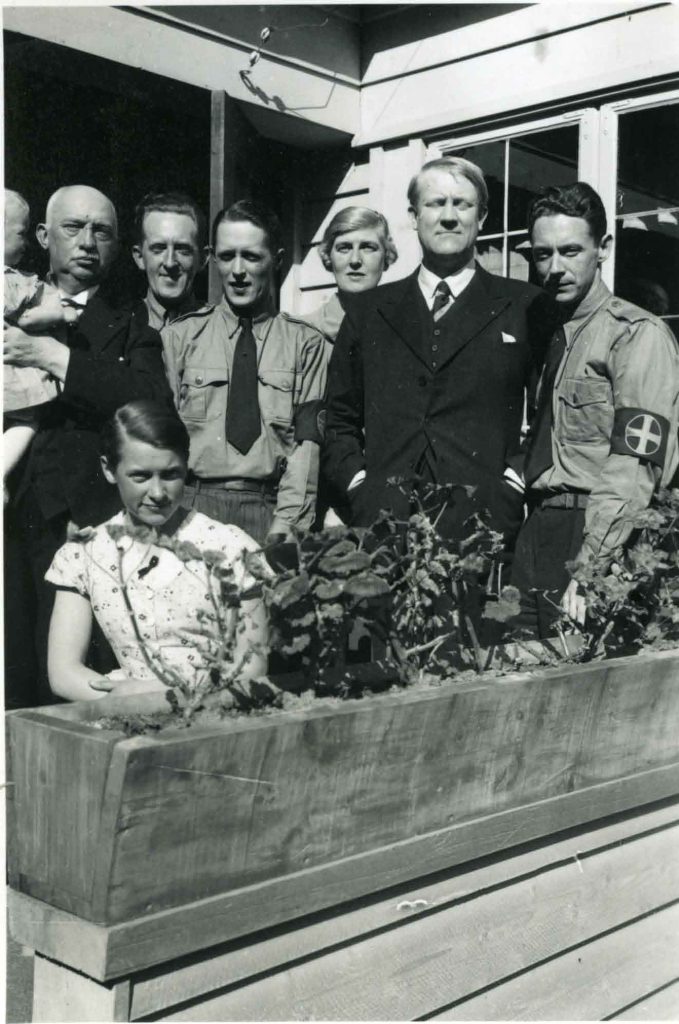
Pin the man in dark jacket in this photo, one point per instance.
(429, 375)
(107, 358)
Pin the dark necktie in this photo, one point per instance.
(243, 423)
(442, 296)
(540, 454)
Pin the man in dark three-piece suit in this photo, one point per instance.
(107, 357)
(429, 375)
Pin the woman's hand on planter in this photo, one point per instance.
(120, 686)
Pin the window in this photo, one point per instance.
(640, 178)
(515, 167)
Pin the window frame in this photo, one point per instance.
(607, 181)
(586, 118)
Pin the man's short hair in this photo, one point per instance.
(576, 200)
(256, 213)
(63, 190)
(169, 202)
(454, 165)
(357, 218)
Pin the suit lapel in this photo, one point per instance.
(98, 325)
(404, 315)
(478, 305)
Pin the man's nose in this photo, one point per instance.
(449, 211)
(86, 237)
(356, 258)
(555, 265)
(169, 256)
(238, 267)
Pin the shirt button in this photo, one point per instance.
(199, 380)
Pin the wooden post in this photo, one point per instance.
(62, 994)
(224, 139)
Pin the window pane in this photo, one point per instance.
(647, 225)
(489, 255)
(648, 159)
(542, 158)
(490, 157)
(519, 258)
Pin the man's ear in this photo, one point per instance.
(137, 257)
(278, 259)
(204, 256)
(482, 220)
(605, 248)
(106, 471)
(42, 235)
(412, 215)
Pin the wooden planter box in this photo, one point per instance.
(161, 846)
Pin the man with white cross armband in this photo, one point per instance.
(605, 431)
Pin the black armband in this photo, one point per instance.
(640, 433)
(310, 422)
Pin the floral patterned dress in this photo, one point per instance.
(170, 598)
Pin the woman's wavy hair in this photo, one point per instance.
(355, 218)
(146, 420)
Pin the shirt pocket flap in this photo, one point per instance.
(282, 380)
(205, 376)
(583, 391)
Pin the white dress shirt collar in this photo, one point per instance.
(457, 283)
(81, 299)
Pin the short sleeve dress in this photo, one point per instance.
(170, 598)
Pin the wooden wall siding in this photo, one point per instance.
(482, 73)
(581, 927)
(322, 199)
(211, 61)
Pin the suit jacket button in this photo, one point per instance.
(437, 332)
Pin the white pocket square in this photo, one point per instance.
(508, 339)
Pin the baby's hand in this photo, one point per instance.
(48, 313)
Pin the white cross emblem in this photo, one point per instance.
(643, 435)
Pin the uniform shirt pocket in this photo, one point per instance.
(586, 410)
(203, 391)
(276, 394)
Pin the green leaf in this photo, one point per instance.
(344, 565)
(367, 585)
(328, 590)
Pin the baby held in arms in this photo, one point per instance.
(36, 308)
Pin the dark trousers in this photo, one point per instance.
(31, 541)
(548, 539)
(253, 511)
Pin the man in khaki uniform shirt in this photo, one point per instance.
(605, 433)
(249, 386)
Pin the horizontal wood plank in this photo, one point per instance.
(662, 1005)
(225, 810)
(118, 950)
(590, 982)
(409, 971)
(165, 986)
(160, 937)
